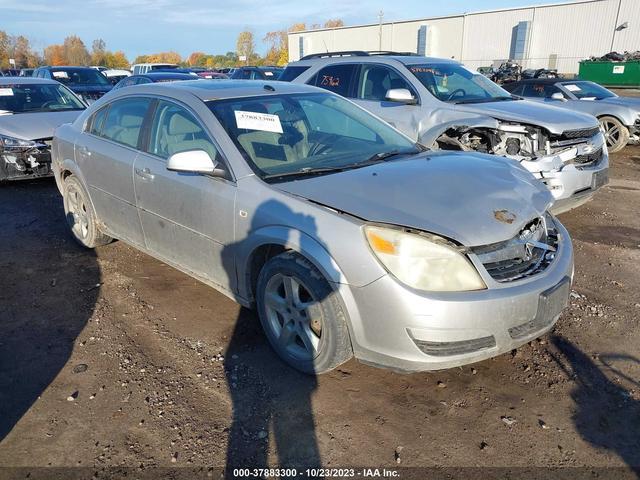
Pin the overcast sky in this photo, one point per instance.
(148, 26)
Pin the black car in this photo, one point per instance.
(154, 77)
(88, 83)
(257, 73)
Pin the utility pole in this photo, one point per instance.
(380, 15)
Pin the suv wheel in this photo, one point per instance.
(80, 215)
(301, 315)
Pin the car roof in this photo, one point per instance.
(405, 59)
(155, 76)
(68, 67)
(27, 81)
(219, 89)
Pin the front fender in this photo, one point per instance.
(290, 239)
(431, 133)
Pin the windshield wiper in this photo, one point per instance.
(484, 100)
(310, 171)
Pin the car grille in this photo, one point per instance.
(581, 133)
(589, 158)
(527, 254)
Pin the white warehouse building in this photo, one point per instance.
(543, 36)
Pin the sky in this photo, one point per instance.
(148, 26)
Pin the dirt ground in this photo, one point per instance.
(113, 359)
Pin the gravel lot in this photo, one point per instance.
(111, 358)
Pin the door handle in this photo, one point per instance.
(84, 150)
(144, 173)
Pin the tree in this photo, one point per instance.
(55, 55)
(245, 45)
(5, 49)
(278, 41)
(197, 59)
(75, 51)
(334, 23)
(98, 52)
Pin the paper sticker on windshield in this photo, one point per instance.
(258, 121)
(61, 74)
(6, 92)
(572, 88)
(269, 74)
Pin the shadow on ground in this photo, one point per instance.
(606, 414)
(45, 298)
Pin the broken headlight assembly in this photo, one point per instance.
(423, 261)
(24, 156)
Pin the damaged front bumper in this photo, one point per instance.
(24, 162)
(573, 175)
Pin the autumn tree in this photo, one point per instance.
(245, 45)
(55, 55)
(75, 51)
(278, 44)
(197, 59)
(334, 23)
(98, 52)
(5, 49)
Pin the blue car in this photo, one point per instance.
(155, 77)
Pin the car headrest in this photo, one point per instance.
(131, 120)
(181, 125)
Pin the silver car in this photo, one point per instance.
(30, 110)
(345, 235)
(442, 104)
(619, 116)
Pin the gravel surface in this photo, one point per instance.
(109, 358)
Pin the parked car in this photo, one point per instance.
(444, 105)
(115, 75)
(154, 77)
(30, 109)
(211, 74)
(256, 73)
(26, 72)
(100, 68)
(88, 83)
(487, 71)
(346, 236)
(619, 116)
(140, 68)
(11, 72)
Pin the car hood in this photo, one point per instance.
(630, 102)
(554, 119)
(32, 126)
(472, 198)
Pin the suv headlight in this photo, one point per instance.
(11, 143)
(423, 261)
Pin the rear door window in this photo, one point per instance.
(124, 120)
(337, 78)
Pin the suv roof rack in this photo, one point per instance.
(354, 53)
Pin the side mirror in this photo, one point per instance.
(400, 95)
(194, 161)
(558, 96)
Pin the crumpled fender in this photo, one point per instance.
(442, 121)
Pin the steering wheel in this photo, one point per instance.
(48, 103)
(455, 92)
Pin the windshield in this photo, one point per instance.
(24, 98)
(588, 90)
(451, 82)
(79, 76)
(302, 134)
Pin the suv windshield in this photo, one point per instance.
(307, 134)
(588, 90)
(79, 76)
(451, 82)
(24, 98)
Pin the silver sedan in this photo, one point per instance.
(346, 236)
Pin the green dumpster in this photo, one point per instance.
(611, 74)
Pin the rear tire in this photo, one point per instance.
(302, 315)
(615, 133)
(80, 215)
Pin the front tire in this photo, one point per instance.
(301, 315)
(615, 133)
(80, 215)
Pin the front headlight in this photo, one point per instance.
(425, 262)
(16, 143)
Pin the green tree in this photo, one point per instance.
(245, 45)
